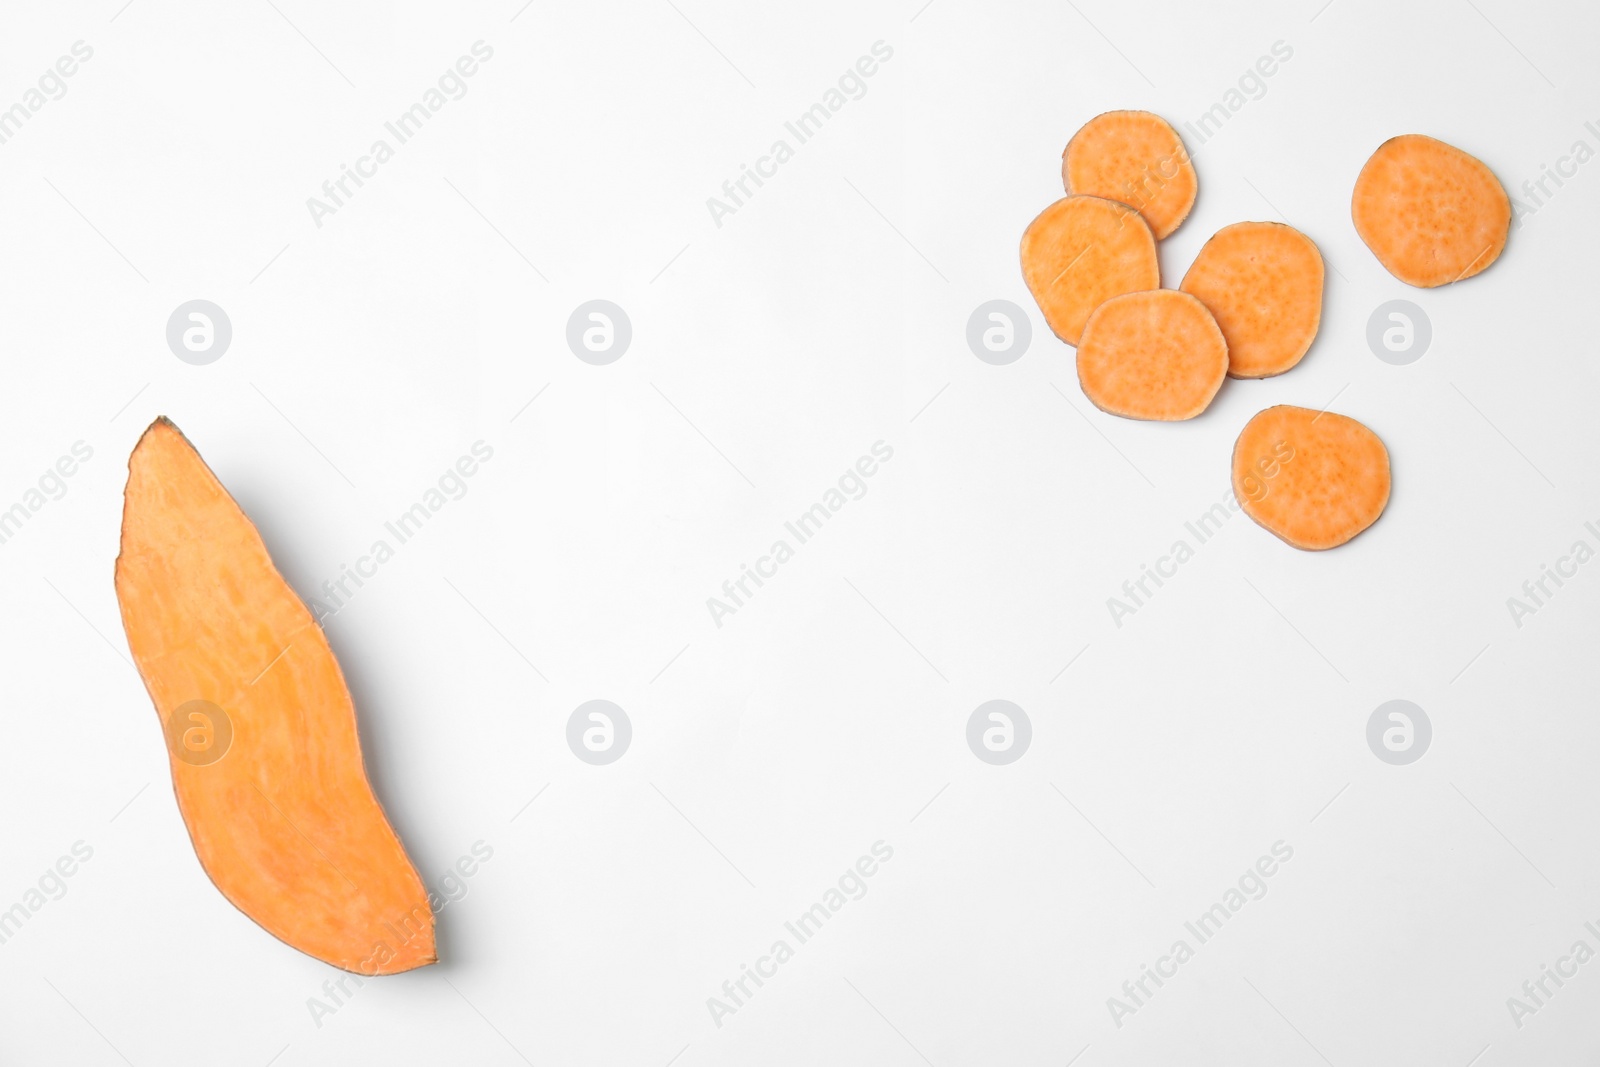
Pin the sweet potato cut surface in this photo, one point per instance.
(1136, 158)
(1080, 252)
(261, 730)
(1263, 283)
(1152, 355)
(1315, 479)
(1431, 213)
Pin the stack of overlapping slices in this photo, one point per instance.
(1249, 305)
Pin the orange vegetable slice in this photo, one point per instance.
(1263, 283)
(1136, 158)
(1080, 252)
(1152, 355)
(1431, 213)
(261, 730)
(1314, 478)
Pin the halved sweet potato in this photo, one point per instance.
(1080, 252)
(1263, 283)
(1136, 158)
(1152, 355)
(1431, 213)
(265, 759)
(1314, 478)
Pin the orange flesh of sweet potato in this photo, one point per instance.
(284, 822)
(1263, 283)
(1136, 158)
(1080, 252)
(1152, 355)
(1315, 479)
(1431, 213)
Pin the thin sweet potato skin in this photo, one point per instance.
(1430, 212)
(284, 822)
(1081, 251)
(1314, 478)
(1263, 281)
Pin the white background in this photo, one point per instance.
(768, 754)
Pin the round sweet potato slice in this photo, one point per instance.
(1431, 213)
(1153, 355)
(1080, 252)
(1314, 478)
(1136, 158)
(1263, 283)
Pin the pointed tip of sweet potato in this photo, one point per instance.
(160, 422)
(408, 957)
(413, 961)
(161, 430)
